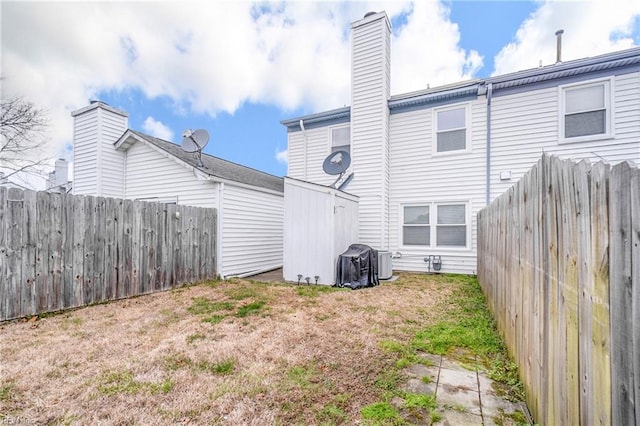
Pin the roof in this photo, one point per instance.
(212, 166)
(625, 59)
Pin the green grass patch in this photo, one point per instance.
(315, 290)
(214, 319)
(7, 391)
(176, 362)
(250, 309)
(123, 382)
(381, 413)
(202, 306)
(302, 376)
(420, 400)
(469, 325)
(244, 292)
(331, 414)
(193, 337)
(221, 368)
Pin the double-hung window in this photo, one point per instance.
(435, 225)
(450, 126)
(341, 138)
(416, 230)
(585, 111)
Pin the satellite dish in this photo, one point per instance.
(195, 141)
(336, 163)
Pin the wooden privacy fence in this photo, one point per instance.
(559, 262)
(60, 251)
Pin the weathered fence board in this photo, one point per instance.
(61, 251)
(559, 278)
(622, 374)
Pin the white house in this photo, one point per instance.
(426, 162)
(112, 160)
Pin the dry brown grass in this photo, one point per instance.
(302, 356)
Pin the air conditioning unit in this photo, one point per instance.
(385, 267)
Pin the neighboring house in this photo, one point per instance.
(113, 161)
(7, 183)
(58, 180)
(425, 163)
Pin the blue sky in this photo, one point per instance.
(238, 68)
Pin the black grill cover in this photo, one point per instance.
(357, 267)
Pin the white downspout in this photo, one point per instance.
(304, 135)
(219, 230)
(489, 94)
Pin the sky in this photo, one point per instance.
(238, 68)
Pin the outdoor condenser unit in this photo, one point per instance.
(385, 268)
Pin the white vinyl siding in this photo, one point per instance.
(306, 155)
(252, 230)
(112, 126)
(340, 138)
(420, 177)
(98, 167)
(370, 91)
(585, 111)
(525, 125)
(155, 175)
(85, 154)
(320, 224)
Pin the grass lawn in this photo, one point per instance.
(241, 352)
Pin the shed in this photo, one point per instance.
(320, 222)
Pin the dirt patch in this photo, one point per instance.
(232, 352)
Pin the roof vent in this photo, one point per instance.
(369, 14)
(559, 46)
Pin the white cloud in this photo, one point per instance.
(590, 28)
(157, 129)
(215, 56)
(426, 51)
(282, 156)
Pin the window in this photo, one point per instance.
(449, 230)
(416, 230)
(341, 139)
(585, 111)
(451, 129)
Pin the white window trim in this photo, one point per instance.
(330, 130)
(432, 248)
(434, 131)
(608, 104)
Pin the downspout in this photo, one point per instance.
(304, 135)
(219, 266)
(489, 94)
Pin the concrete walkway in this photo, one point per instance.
(464, 397)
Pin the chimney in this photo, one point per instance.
(559, 46)
(370, 92)
(98, 167)
(61, 172)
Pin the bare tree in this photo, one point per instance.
(23, 135)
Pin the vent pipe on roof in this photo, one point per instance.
(559, 46)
